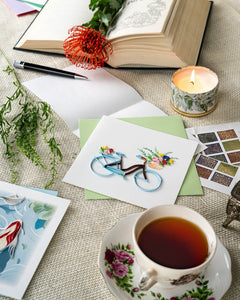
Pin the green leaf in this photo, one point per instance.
(104, 13)
(204, 107)
(106, 18)
(114, 4)
(188, 100)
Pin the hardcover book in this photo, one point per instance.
(146, 33)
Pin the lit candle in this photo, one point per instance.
(194, 91)
(192, 79)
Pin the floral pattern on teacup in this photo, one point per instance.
(185, 279)
(119, 261)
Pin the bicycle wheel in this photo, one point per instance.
(151, 184)
(98, 163)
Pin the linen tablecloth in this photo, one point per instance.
(69, 268)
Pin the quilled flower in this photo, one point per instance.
(87, 48)
(156, 160)
(166, 157)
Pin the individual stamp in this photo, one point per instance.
(220, 157)
(221, 179)
(227, 169)
(234, 157)
(231, 145)
(213, 149)
(227, 134)
(207, 161)
(203, 172)
(208, 137)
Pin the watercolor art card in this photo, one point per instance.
(28, 221)
(118, 155)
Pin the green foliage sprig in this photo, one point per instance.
(20, 133)
(104, 14)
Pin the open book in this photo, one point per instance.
(147, 33)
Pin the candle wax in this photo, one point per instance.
(205, 80)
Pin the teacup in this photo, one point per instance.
(173, 245)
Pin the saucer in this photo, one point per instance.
(121, 272)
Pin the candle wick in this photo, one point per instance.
(192, 82)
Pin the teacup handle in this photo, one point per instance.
(147, 280)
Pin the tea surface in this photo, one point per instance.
(174, 243)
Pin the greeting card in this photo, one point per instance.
(131, 163)
(28, 220)
(19, 8)
(167, 124)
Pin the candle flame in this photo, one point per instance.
(192, 79)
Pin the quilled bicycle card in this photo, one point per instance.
(216, 174)
(166, 124)
(222, 141)
(28, 221)
(131, 163)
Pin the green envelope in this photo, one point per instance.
(169, 124)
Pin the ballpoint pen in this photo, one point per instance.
(48, 70)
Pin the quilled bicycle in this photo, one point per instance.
(106, 165)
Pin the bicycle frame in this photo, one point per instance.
(124, 171)
(115, 167)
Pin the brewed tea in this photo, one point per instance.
(174, 243)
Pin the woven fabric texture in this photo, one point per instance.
(69, 268)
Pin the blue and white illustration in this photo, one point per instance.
(22, 223)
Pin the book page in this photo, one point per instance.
(141, 16)
(55, 19)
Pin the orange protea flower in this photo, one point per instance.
(87, 48)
